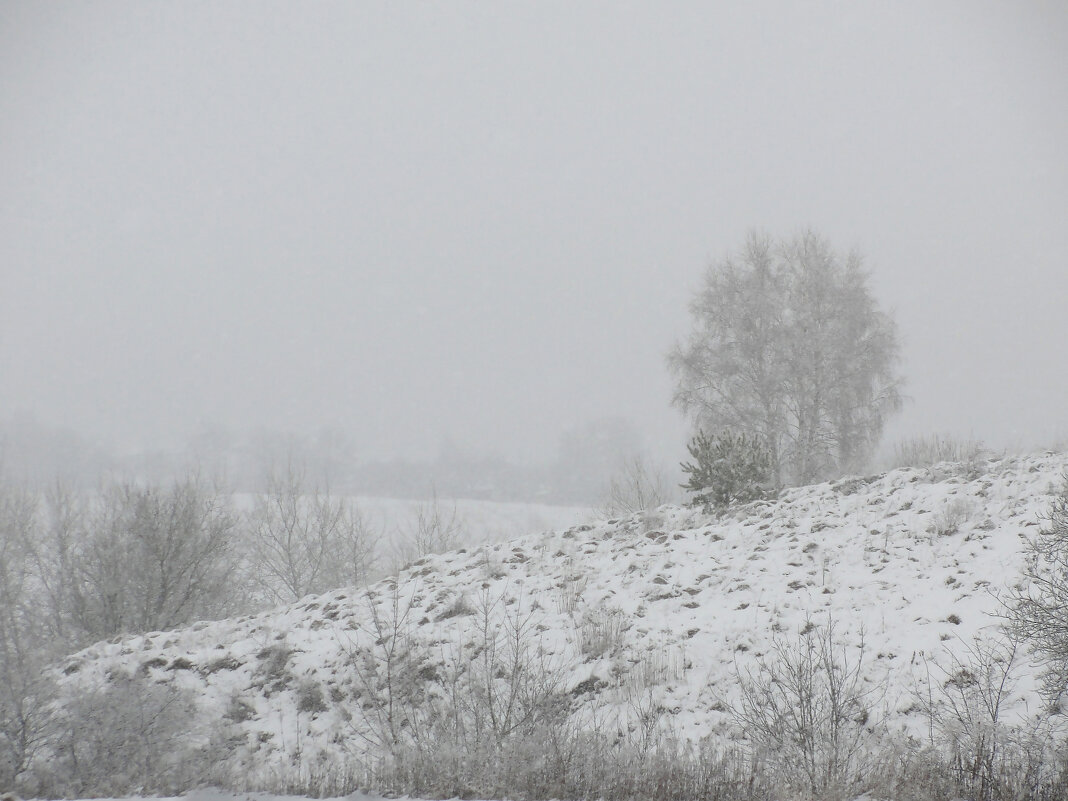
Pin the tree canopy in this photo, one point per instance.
(788, 344)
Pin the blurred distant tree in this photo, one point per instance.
(638, 485)
(331, 455)
(789, 345)
(306, 541)
(147, 559)
(435, 530)
(589, 453)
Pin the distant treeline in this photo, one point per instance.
(35, 454)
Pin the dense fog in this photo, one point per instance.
(428, 234)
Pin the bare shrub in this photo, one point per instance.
(601, 632)
(138, 558)
(966, 701)
(511, 686)
(806, 712)
(434, 530)
(59, 542)
(458, 707)
(25, 691)
(129, 736)
(306, 541)
(935, 449)
(636, 486)
(1036, 608)
(390, 676)
(569, 590)
(954, 513)
(488, 717)
(26, 718)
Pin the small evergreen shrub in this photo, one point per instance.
(728, 468)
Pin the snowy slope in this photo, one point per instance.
(659, 610)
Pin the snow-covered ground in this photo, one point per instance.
(479, 521)
(657, 611)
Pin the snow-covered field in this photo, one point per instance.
(477, 521)
(392, 523)
(659, 611)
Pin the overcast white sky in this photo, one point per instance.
(484, 220)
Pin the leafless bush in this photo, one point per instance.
(562, 761)
(486, 716)
(995, 757)
(491, 683)
(389, 673)
(129, 736)
(26, 716)
(1036, 608)
(504, 728)
(965, 701)
(932, 450)
(305, 541)
(990, 757)
(435, 530)
(601, 632)
(636, 486)
(509, 685)
(954, 513)
(138, 558)
(806, 711)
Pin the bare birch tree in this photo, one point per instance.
(789, 345)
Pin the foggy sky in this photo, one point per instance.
(484, 221)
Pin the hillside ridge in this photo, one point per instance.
(652, 615)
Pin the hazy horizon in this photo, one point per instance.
(482, 223)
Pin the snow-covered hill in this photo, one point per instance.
(654, 614)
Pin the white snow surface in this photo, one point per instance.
(675, 602)
(478, 521)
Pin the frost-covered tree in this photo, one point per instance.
(23, 652)
(305, 540)
(789, 345)
(1039, 609)
(149, 558)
